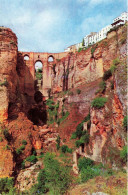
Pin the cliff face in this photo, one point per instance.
(8, 76)
(88, 65)
(80, 75)
(106, 131)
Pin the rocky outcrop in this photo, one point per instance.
(8, 76)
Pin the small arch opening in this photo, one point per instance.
(26, 57)
(50, 59)
(38, 75)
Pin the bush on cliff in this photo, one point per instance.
(88, 173)
(123, 154)
(66, 149)
(102, 86)
(7, 185)
(58, 177)
(125, 122)
(99, 102)
(84, 163)
(40, 187)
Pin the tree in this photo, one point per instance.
(83, 42)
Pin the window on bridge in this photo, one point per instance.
(26, 57)
(50, 59)
(38, 75)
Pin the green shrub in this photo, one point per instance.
(78, 143)
(87, 118)
(24, 142)
(79, 130)
(80, 49)
(6, 185)
(38, 75)
(65, 149)
(84, 163)
(6, 134)
(110, 172)
(73, 136)
(39, 70)
(113, 68)
(40, 187)
(99, 102)
(4, 83)
(93, 49)
(78, 91)
(7, 147)
(58, 142)
(125, 122)
(116, 61)
(58, 177)
(85, 138)
(32, 159)
(20, 149)
(64, 117)
(107, 75)
(102, 86)
(123, 154)
(87, 174)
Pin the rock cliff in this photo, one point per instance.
(75, 84)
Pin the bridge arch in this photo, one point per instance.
(50, 58)
(26, 57)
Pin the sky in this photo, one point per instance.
(53, 25)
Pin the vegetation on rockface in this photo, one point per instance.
(53, 115)
(88, 169)
(93, 50)
(125, 122)
(40, 187)
(83, 136)
(54, 178)
(83, 42)
(123, 154)
(84, 163)
(7, 185)
(66, 149)
(99, 102)
(52, 111)
(20, 149)
(78, 91)
(102, 86)
(4, 83)
(32, 159)
(80, 49)
(58, 142)
(79, 129)
(39, 74)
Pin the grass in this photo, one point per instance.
(114, 185)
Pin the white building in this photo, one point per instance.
(94, 37)
(120, 19)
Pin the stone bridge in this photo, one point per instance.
(47, 60)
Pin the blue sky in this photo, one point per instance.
(53, 25)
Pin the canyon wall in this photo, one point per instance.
(67, 73)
